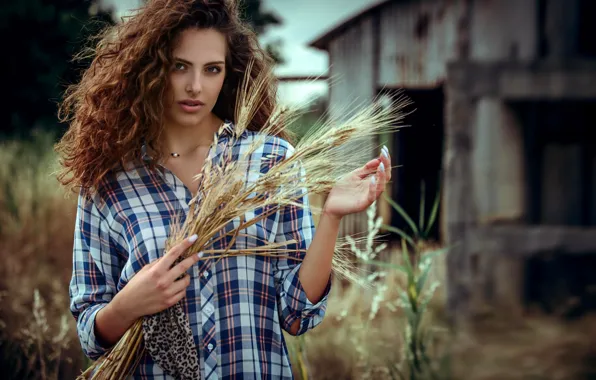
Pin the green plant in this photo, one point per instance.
(418, 338)
(416, 361)
(420, 232)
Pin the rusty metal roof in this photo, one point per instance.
(322, 42)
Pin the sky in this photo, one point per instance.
(303, 21)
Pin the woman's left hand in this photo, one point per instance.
(357, 191)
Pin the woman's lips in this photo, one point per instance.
(191, 106)
(190, 109)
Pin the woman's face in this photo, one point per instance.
(197, 76)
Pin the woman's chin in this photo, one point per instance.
(189, 120)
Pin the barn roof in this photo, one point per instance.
(322, 42)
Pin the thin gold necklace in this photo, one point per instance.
(175, 154)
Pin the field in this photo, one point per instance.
(366, 332)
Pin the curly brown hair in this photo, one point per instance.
(118, 104)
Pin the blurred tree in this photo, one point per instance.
(260, 20)
(252, 12)
(38, 39)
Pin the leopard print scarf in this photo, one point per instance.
(169, 340)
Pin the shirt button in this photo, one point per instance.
(210, 346)
(205, 274)
(209, 309)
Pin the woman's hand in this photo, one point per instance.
(155, 287)
(359, 189)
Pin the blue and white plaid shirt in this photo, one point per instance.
(237, 307)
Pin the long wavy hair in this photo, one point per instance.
(118, 105)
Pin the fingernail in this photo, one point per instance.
(385, 153)
(200, 254)
(385, 148)
(373, 180)
(382, 167)
(193, 238)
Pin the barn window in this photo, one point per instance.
(560, 157)
(566, 28)
(586, 28)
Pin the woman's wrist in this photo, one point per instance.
(120, 308)
(329, 215)
(112, 321)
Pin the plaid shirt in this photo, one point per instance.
(237, 307)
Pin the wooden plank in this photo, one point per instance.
(457, 201)
(497, 163)
(526, 241)
(351, 56)
(416, 39)
(532, 84)
(503, 30)
(519, 81)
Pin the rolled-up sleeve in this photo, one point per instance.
(295, 222)
(92, 285)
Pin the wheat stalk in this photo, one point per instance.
(226, 194)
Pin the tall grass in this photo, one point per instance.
(420, 358)
(37, 336)
(383, 327)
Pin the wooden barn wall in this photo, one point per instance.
(408, 44)
(417, 38)
(504, 30)
(352, 60)
(351, 87)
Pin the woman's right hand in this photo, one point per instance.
(155, 287)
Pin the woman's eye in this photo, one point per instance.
(179, 66)
(214, 69)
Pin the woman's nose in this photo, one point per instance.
(194, 85)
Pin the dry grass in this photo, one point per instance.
(537, 347)
(36, 251)
(362, 333)
(347, 345)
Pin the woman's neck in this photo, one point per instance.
(183, 140)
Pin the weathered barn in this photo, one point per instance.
(505, 92)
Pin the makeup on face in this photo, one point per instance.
(196, 77)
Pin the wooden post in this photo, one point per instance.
(457, 189)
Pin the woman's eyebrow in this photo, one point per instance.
(206, 64)
(183, 61)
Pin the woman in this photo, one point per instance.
(142, 120)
